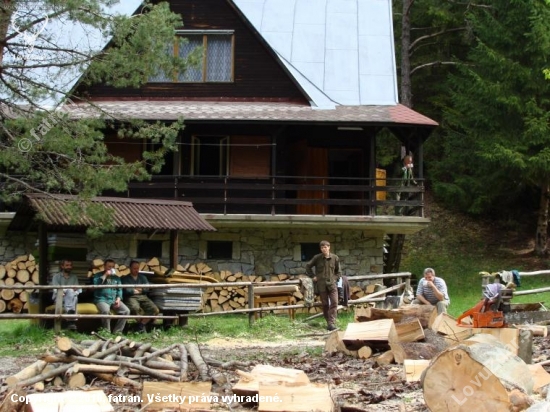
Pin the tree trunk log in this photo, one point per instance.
(141, 368)
(475, 376)
(118, 380)
(9, 405)
(196, 357)
(184, 364)
(43, 376)
(24, 374)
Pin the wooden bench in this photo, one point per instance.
(274, 294)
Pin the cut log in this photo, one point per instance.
(410, 331)
(45, 375)
(369, 314)
(7, 294)
(153, 263)
(2, 271)
(118, 380)
(385, 359)
(364, 352)
(376, 334)
(76, 380)
(413, 350)
(335, 343)
(475, 377)
(32, 370)
(3, 306)
(290, 398)
(541, 378)
(196, 357)
(249, 382)
(92, 401)
(23, 275)
(13, 401)
(71, 348)
(412, 369)
(183, 362)
(15, 305)
(196, 395)
(538, 330)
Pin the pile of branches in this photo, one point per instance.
(120, 361)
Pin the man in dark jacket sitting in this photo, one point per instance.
(136, 298)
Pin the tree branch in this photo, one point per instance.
(429, 36)
(423, 66)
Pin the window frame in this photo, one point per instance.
(204, 33)
(223, 161)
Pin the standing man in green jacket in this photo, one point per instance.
(327, 273)
(107, 299)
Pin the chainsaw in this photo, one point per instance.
(482, 316)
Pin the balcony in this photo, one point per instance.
(288, 195)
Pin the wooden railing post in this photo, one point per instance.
(251, 315)
(58, 310)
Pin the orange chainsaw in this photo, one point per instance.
(482, 316)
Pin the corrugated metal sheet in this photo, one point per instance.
(130, 215)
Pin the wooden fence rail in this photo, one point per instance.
(58, 316)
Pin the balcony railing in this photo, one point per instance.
(284, 195)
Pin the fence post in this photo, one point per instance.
(251, 315)
(58, 310)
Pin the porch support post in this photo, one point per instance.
(174, 240)
(372, 175)
(43, 268)
(420, 150)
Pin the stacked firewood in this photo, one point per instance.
(120, 361)
(22, 271)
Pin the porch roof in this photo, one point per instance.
(196, 111)
(129, 215)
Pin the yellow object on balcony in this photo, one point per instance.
(381, 181)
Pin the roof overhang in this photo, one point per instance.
(379, 224)
(273, 112)
(128, 215)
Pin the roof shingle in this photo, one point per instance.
(247, 111)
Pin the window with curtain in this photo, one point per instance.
(217, 61)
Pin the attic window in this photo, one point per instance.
(217, 61)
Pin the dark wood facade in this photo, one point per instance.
(257, 74)
(269, 166)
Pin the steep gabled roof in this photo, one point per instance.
(340, 51)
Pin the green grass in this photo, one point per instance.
(23, 338)
(20, 337)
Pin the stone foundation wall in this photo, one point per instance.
(260, 252)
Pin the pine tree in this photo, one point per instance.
(43, 150)
(498, 139)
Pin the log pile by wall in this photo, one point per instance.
(21, 271)
(24, 271)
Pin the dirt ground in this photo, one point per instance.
(356, 385)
